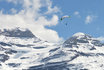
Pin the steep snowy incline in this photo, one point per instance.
(80, 52)
(21, 50)
(89, 52)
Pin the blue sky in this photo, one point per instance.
(77, 24)
(86, 15)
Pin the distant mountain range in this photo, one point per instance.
(20, 49)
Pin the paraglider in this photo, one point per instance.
(62, 18)
(65, 17)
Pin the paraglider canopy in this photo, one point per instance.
(65, 17)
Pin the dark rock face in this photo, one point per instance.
(59, 54)
(4, 44)
(97, 43)
(17, 33)
(54, 49)
(13, 64)
(2, 49)
(74, 41)
(21, 45)
(24, 57)
(10, 51)
(41, 47)
(3, 57)
(58, 66)
(51, 66)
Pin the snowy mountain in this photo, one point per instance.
(17, 32)
(22, 50)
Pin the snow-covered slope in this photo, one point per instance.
(21, 50)
(88, 52)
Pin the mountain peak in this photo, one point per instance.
(81, 38)
(17, 32)
(79, 34)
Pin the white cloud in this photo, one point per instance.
(50, 9)
(89, 19)
(76, 13)
(30, 17)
